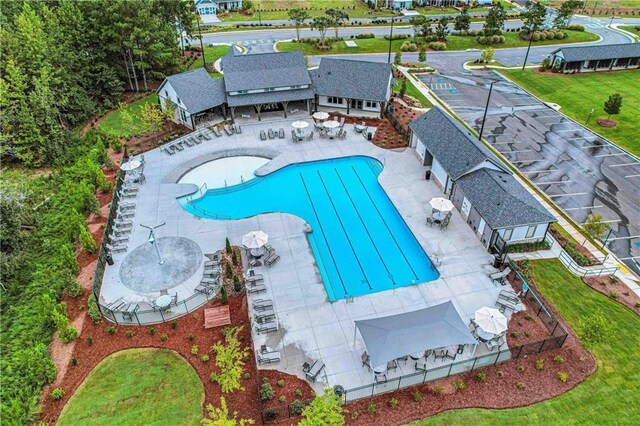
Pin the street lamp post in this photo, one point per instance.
(528, 48)
(390, 41)
(152, 240)
(590, 114)
(486, 108)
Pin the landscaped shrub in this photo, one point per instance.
(174, 324)
(614, 294)
(515, 334)
(194, 350)
(528, 317)
(282, 398)
(393, 402)
(372, 408)
(266, 391)
(224, 299)
(481, 377)
(438, 390)
(409, 46)
(74, 361)
(111, 329)
(228, 272)
(540, 364)
(417, 396)
(87, 242)
(230, 358)
(500, 373)
(355, 414)
(558, 359)
(576, 27)
(520, 368)
(205, 358)
(397, 37)
(521, 385)
(90, 340)
(437, 45)
(563, 376)
(280, 383)
(237, 286)
(191, 337)
(296, 407)
(365, 35)
(246, 376)
(459, 385)
(94, 310)
(152, 331)
(227, 246)
(57, 394)
(129, 333)
(164, 337)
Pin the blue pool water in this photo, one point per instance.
(360, 242)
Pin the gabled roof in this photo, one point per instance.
(197, 90)
(264, 70)
(594, 53)
(501, 200)
(451, 144)
(352, 79)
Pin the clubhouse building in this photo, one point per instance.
(596, 58)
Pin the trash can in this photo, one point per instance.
(497, 260)
(369, 136)
(427, 175)
(109, 259)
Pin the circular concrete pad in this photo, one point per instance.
(141, 272)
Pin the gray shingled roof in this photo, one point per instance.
(501, 200)
(269, 97)
(264, 70)
(197, 90)
(594, 53)
(450, 143)
(352, 79)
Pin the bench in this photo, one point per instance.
(312, 372)
(267, 357)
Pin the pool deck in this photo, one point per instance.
(310, 326)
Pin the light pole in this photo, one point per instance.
(390, 41)
(486, 108)
(590, 114)
(152, 240)
(528, 48)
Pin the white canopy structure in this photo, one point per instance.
(441, 204)
(392, 337)
(255, 239)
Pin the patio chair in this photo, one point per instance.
(205, 135)
(294, 137)
(508, 295)
(237, 128)
(503, 305)
(198, 139)
(267, 357)
(441, 354)
(271, 134)
(217, 132)
(381, 378)
(500, 276)
(342, 121)
(114, 306)
(267, 327)
(167, 151)
(204, 289)
(310, 137)
(365, 360)
(293, 111)
(421, 365)
(281, 133)
(227, 130)
(445, 223)
(270, 260)
(116, 241)
(312, 372)
(496, 343)
(430, 221)
(392, 365)
(263, 315)
(472, 325)
(263, 135)
(254, 278)
(257, 288)
(129, 311)
(189, 142)
(262, 304)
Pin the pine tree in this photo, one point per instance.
(397, 60)
(613, 105)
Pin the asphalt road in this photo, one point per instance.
(581, 172)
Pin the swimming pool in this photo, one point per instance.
(360, 242)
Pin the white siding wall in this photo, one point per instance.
(438, 172)
(520, 232)
(421, 150)
(167, 91)
(322, 100)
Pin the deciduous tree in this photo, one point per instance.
(337, 16)
(462, 21)
(298, 16)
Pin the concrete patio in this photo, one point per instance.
(311, 327)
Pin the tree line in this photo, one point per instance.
(65, 61)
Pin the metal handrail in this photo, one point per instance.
(576, 269)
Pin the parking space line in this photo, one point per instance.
(610, 155)
(625, 164)
(630, 176)
(538, 172)
(583, 208)
(528, 161)
(556, 182)
(566, 195)
(516, 152)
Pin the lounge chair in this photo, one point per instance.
(271, 134)
(205, 136)
(312, 371)
(270, 260)
(501, 276)
(267, 357)
(125, 214)
(198, 139)
(204, 289)
(118, 240)
(267, 327)
(178, 146)
(262, 304)
(256, 288)
(237, 128)
(213, 273)
(209, 281)
(508, 296)
(263, 135)
(211, 263)
(127, 206)
(168, 151)
(217, 132)
(227, 130)
(130, 311)
(503, 305)
(121, 232)
(381, 378)
(114, 306)
(310, 137)
(124, 224)
(254, 278)
(365, 360)
(189, 142)
(294, 137)
(116, 249)
(261, 316)
(281, 133)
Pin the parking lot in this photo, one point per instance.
(580, 171)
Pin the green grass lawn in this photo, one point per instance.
(454, 42)
(633, 29)
(211, 54)
(608, 397)
(578, 93)
(354, 8)
(113, 125)
(137, 386)
(413, 91)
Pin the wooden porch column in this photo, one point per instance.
(233, 115)
(309, 106)
(259, 107)
(348, 105)
(224, 111)
(382, 107)
(285, 104)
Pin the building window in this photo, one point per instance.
(531, 231)
(334, 100)
(178, 98)
(371, 104)
(507, 234)
(166, 94)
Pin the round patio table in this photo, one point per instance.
(438, 216)
(483, 335)
(163, 301)
(359, 128)
(257, 253)
(416, 356)
(380, 369)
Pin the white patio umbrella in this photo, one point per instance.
(491, 320)
(441, 204)
(299, 124)
(320, 115)
(255, 239)
(331, 124)
(130, 165)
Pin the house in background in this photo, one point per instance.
(263, 82)
(490, 199)
(193, 94)
(395, 4)
(596, 58)
(352, 85)
(212, 7)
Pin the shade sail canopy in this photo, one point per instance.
(391, 337)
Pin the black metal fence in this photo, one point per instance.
(281, 412)
(403, 130)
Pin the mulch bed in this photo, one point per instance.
(582, 250)
(603, 122)
(245, 402)
(609, 286)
